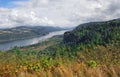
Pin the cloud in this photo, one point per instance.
(63, 13)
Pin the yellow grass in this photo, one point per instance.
(73, 70)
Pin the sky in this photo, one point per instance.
(60, 13)
(9, 3)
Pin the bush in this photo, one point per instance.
(46, 62)
(92, 63)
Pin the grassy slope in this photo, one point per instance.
(54, 59)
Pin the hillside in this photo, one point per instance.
(90, 50)
(98, 33)
(24, 32)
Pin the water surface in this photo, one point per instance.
(26, 42)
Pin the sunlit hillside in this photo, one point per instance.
(90, 50)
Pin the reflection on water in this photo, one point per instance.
(19, 43)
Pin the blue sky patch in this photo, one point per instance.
(8, 3)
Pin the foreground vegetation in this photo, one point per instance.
(97, 56)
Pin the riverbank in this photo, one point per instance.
(27, 42)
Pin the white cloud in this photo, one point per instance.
(58, 12)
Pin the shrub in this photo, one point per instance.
(92, 63)
(46, 62)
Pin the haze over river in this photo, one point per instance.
(27, 42)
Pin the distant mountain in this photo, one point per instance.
(24, 32)
(97, 33)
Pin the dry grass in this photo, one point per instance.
(73, 70)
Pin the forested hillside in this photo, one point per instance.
(97, 33)
(90, 50)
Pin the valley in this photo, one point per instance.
(59, 38)
(89, 50)
(25, 32)
(30, 41)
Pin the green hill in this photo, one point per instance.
(98, 33)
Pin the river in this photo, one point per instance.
(27, 42)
